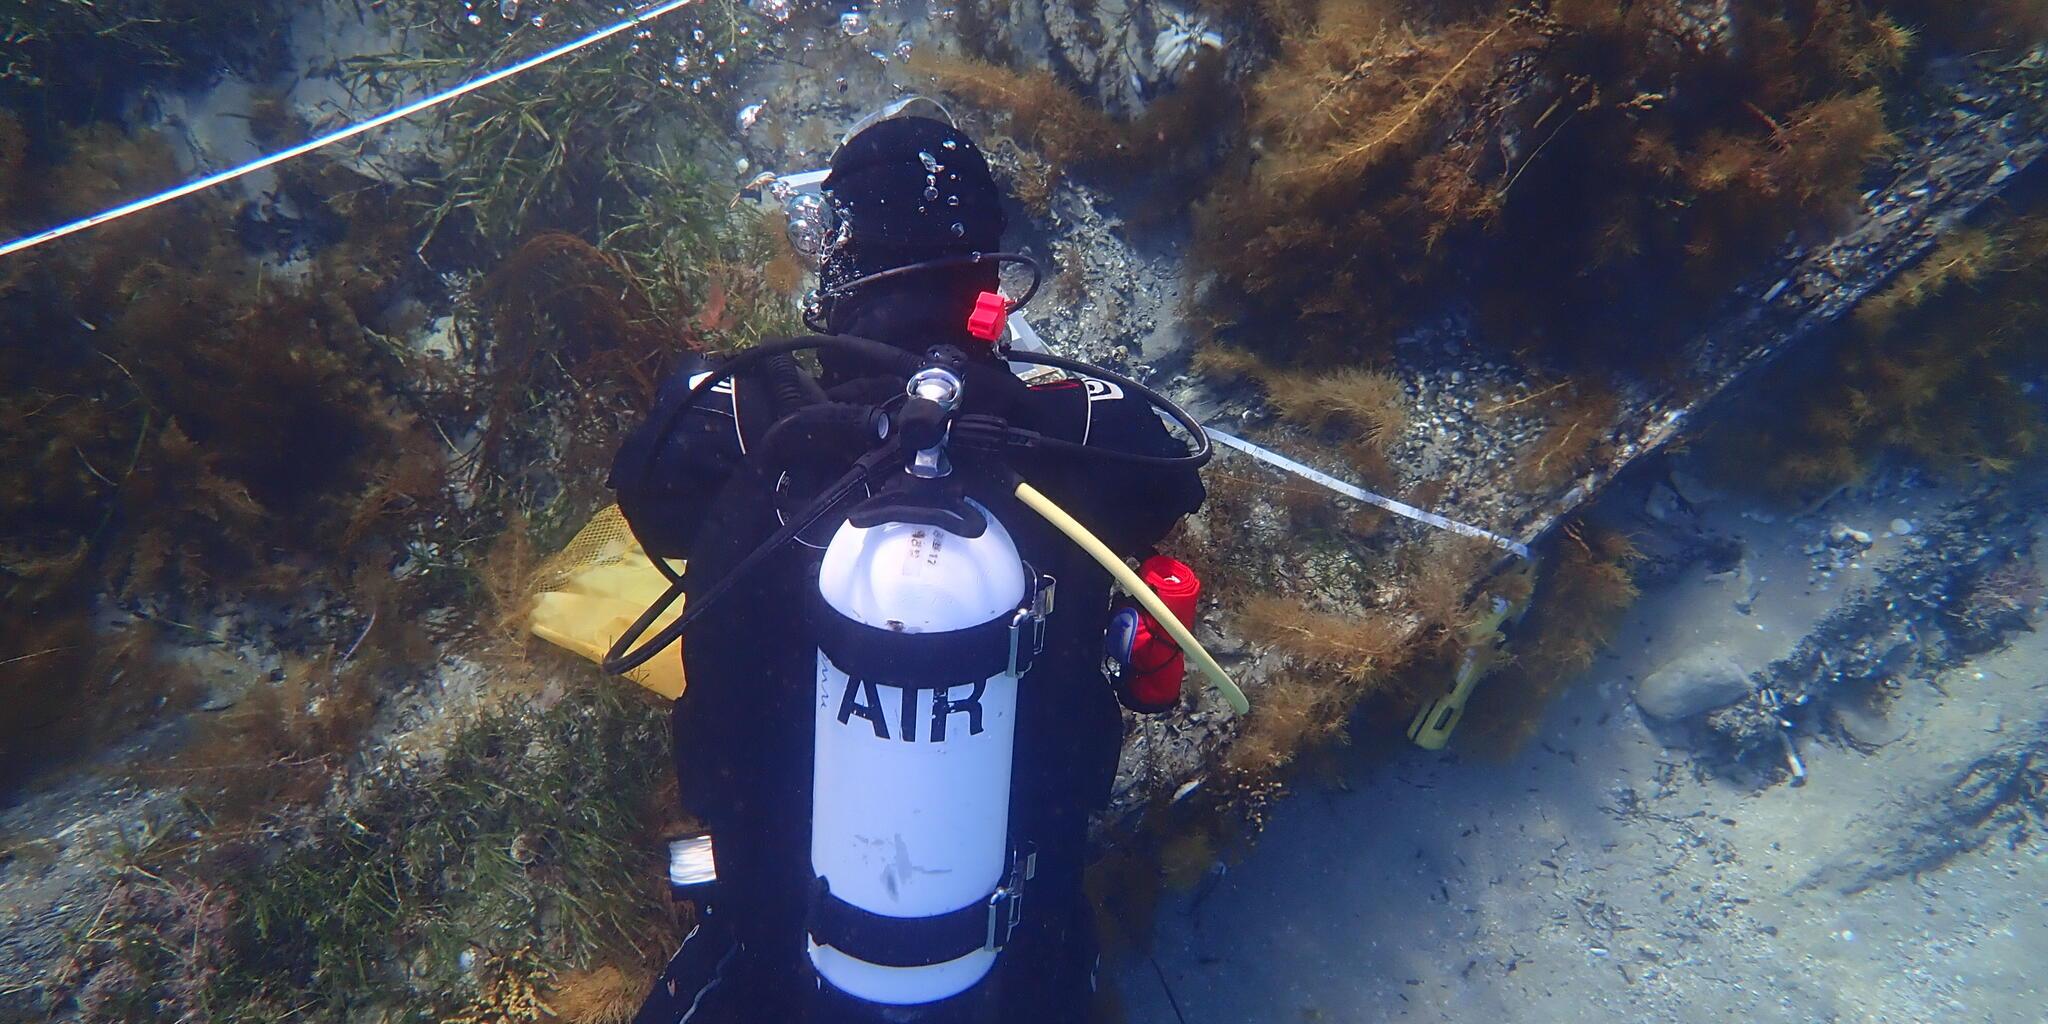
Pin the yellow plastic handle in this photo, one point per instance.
(1129, 580)
(1432, 726)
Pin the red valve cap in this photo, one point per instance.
(991, 311)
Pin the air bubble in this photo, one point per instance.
(475, 18)
(952, 200)
(853, 23)
(696, 35)
(931, 194)
(930, 162)
(508, 9)
(959, 230)
(777, 11)
(950, 144)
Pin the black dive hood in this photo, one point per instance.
(906, 190)
(915, 194)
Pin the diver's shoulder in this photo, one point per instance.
(1111, 414)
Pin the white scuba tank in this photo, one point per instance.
(911, 785)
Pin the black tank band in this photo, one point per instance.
(925, 661)
(910, 941)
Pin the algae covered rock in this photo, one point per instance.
(1693, 683)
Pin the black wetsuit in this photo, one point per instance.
(743, 728)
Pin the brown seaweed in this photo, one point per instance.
(189, 424)
(1404, 153)
(1584, 584)
(1336, 660)
(1933, 368)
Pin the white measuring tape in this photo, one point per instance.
(634, 20)
(1317, 476)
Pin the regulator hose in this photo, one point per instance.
(824, 427)
(1096, 549)
(888, 355)
(817, 316)
(623, 657)
(793, 387)
(1195, 459)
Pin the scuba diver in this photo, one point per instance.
(903, 675)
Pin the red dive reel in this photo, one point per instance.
(1142, 661)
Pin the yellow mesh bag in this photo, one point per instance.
(591, 590)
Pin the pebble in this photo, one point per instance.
(1663, 504)
(220, 700)
(1841, 534)
(1693, 683)
(1868, 727)
(1902, 527)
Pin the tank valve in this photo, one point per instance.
(934, 396)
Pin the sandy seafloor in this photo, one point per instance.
(1422, 886)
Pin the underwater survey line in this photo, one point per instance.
(633, 20)
(1314, 475)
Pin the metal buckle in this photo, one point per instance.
(1006, 904)
(692, 866)
(1037, 608)
(1017, 631)
(1004, 910)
